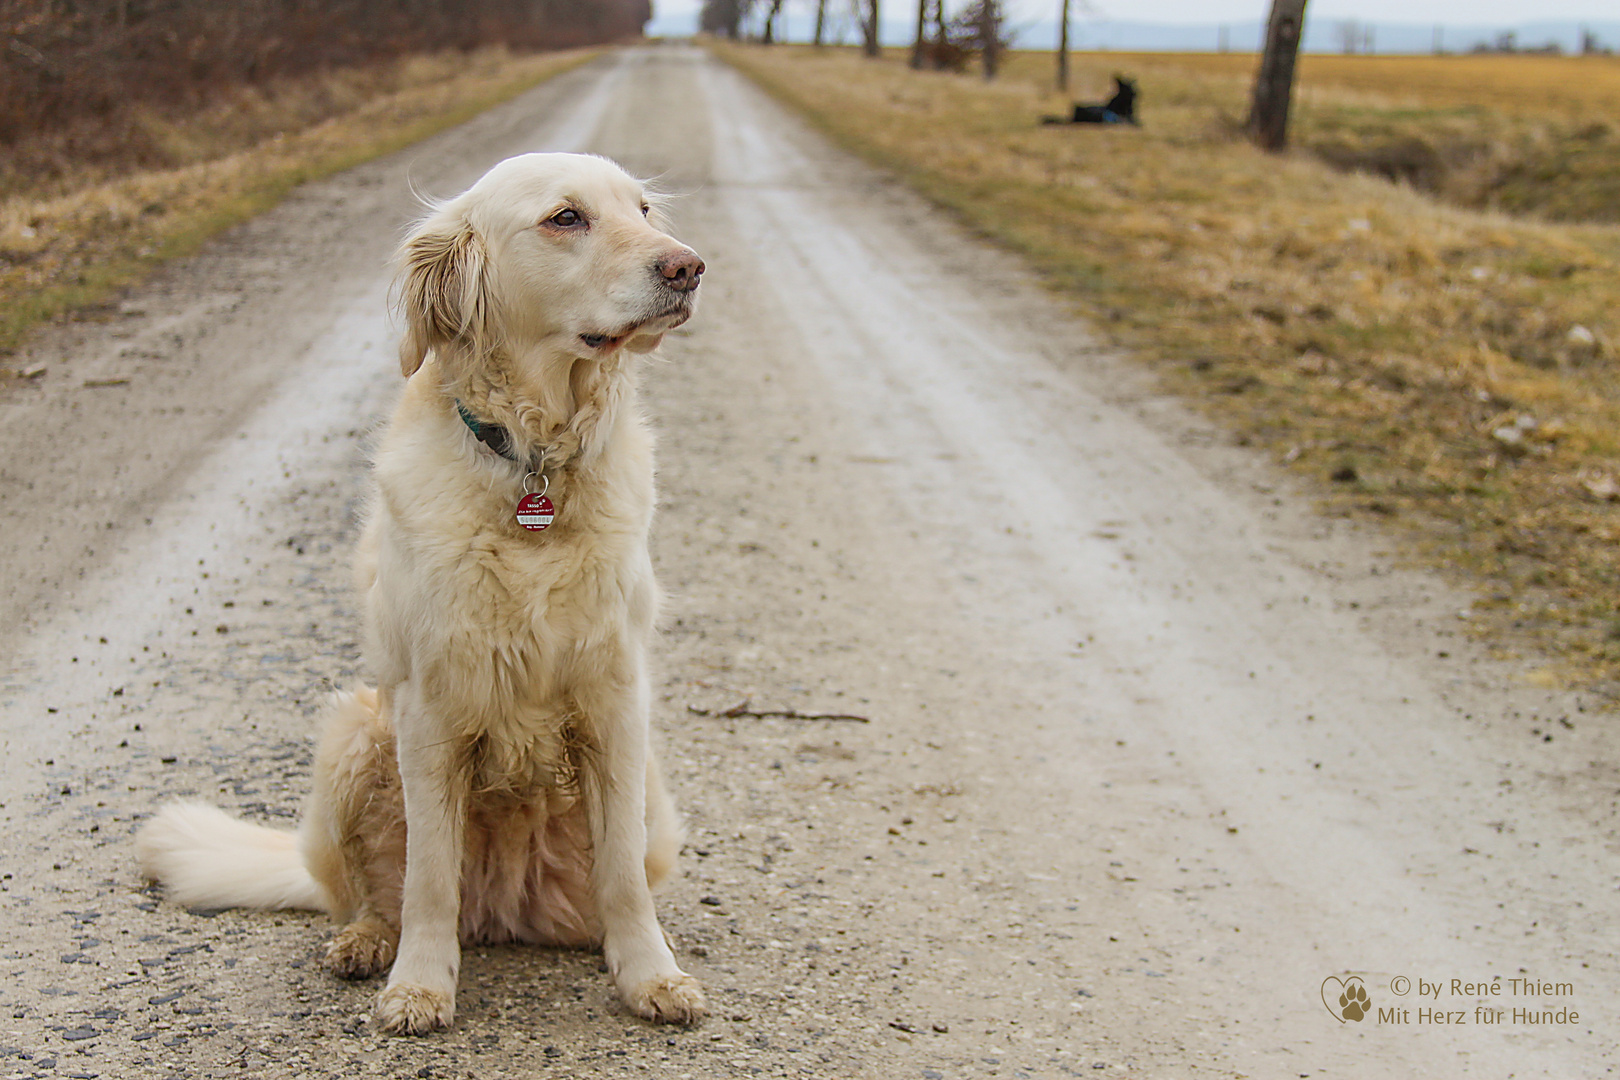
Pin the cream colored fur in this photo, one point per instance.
(498, 784)
(209, 859)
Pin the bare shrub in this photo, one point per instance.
(63, 65)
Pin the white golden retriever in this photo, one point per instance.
(498, 784)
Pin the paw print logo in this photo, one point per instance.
(1346, 999)
(1354, 1001)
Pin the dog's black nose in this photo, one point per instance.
(681, 271)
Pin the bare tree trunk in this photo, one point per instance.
(770, 22)
(1274, 83)
(821, 20)
(870, 29)
(939, 34)
(922, 31)
(1063, 49)
(990, 37)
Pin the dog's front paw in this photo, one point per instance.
(405, 1009)
(667, 999)
(361, 950)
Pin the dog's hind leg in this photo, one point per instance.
(664, 832)
(353, 834)
(363, 949)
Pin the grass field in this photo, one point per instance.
(1527, 134)
(1451, 371)
(71, 234)
(1560, 86)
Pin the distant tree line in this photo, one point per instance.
(1508, 42)
(724, 18)
(978, 29)
(62, 60)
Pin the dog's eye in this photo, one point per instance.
(566, 219)
(645, 210)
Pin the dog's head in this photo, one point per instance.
(555, 254)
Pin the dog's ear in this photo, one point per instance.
(445, 297)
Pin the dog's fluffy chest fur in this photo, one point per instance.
(504, 622)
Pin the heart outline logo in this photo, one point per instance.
(1348, 1000)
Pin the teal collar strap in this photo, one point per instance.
(493, 436)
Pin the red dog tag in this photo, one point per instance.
(535, 512)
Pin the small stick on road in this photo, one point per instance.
(742, 709)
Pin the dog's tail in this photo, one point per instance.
(209, 859)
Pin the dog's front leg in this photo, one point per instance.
(638, 954)
(421, 991)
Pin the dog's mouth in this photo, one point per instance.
(663, 321)
(607, 342)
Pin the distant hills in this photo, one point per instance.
(1321, 34)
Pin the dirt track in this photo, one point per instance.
(1152, 750)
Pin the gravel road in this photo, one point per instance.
(1147, 749)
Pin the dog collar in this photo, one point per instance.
(500, 440)
(535, 512)
(493, 436)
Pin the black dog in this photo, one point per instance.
(1120, 109)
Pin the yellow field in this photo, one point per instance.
(1452, 371)
(1564, 86)
(1528, 134)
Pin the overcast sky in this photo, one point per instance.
(1408, 11)
(1205, 12)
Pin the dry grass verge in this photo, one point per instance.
(68, 243)
(1527, 134)
(1453, 371)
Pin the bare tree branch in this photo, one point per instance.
(743, 708)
